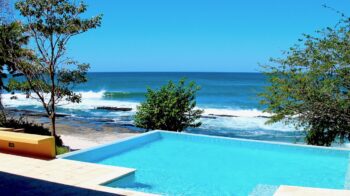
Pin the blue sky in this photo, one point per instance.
(197, 35)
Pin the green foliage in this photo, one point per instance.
(172, 107)
(50, 75)
(12, 42)
(12, 53)
(61, 150)
(310, 86)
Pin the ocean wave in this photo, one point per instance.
(236, 112)
(118, 95)
(92, 94)
(91, 100)
(244, 124)
(103, 94)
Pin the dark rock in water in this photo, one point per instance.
(105, 120)
(223, 115)
(210, 117)
(114, 109)
(126, 125)
(34, 113)
(264, 116)
(39, 114)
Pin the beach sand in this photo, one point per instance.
(86, 137)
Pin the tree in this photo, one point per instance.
(172, 107)
(51, 76)
(11, 41)
(310, 86)
(12, 54)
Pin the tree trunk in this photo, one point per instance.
(1, 105)
(2, 110)
(53, 128)
(53, 124)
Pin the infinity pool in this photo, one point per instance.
(184, 164)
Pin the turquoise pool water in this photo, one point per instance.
(184, 164)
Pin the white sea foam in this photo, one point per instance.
(236, 112)
(244, 123)
(90, 100)
(241, 119)
(92, 94)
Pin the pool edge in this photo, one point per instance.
(255, 141)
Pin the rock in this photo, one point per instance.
(261, 116)
(114, 108)
(39, 114)
(210, 117)
(34, 113)
(126, 125)
(223, 115)
(105, 120)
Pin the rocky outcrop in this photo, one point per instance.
(33, 113)
(223, 115)
(209, 117)
(121, 109)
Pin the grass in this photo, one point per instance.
(61, 150)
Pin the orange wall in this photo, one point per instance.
(42, 149)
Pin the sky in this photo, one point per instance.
(197, 35)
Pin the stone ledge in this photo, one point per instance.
(307, 191)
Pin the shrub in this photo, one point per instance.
(172, 108)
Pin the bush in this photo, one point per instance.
(29, 127)
(172, 108)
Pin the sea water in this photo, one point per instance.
(233, 94)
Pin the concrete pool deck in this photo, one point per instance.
(30, 176)
(307, 191)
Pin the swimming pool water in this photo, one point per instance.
(184, 164)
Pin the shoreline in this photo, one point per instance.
(80, 134)
(84, 136)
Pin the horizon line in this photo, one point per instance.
(172, 72)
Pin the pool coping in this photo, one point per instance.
(286, 190)
(255, 141)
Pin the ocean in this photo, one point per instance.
(230, 102)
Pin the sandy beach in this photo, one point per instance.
(86, 137)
